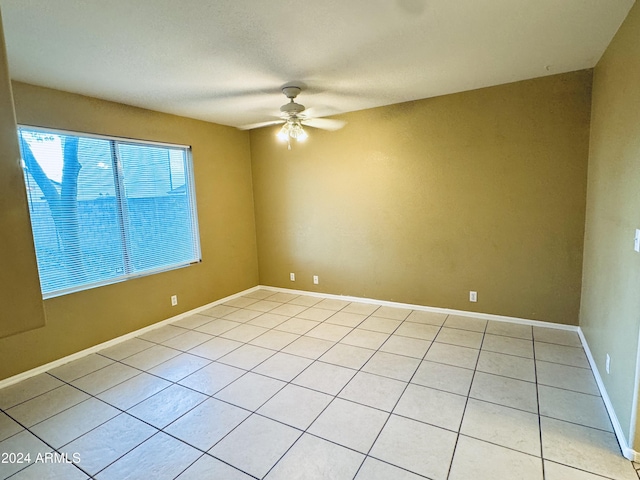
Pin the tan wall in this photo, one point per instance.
(21, 302)
(423, 201)
(222, 169)
(610, 311)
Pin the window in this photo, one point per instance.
(105, 210)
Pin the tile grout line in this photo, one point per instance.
(27, 429)
(255, 412)
(391, 411)
(368, 454)
(305, 431)
(466, 403)
(125, 412)
(535, 373)
(59, 449)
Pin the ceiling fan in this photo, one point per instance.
(294, 120)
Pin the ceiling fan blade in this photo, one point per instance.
(251, 126)
(325, 123)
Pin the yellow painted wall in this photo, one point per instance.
(610, 311)
(21, 302)
(423, 201)
(222, 167)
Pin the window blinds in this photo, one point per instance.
(104, 209)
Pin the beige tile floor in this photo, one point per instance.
(279, 386)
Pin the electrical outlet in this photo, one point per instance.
(473, 296)
(316, 280)
(174, 300)
(292, 277)
(608, 364)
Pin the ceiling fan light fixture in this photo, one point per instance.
(292, 128)
(297, 132)
(302, 136)
(283, 134)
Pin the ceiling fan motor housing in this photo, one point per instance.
(292, 108)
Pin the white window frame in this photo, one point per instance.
(190, 186)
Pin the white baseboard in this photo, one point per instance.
(83, 353)
(447, 311)
(627, 451)
(485, 316)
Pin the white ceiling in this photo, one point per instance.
(225, 60)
